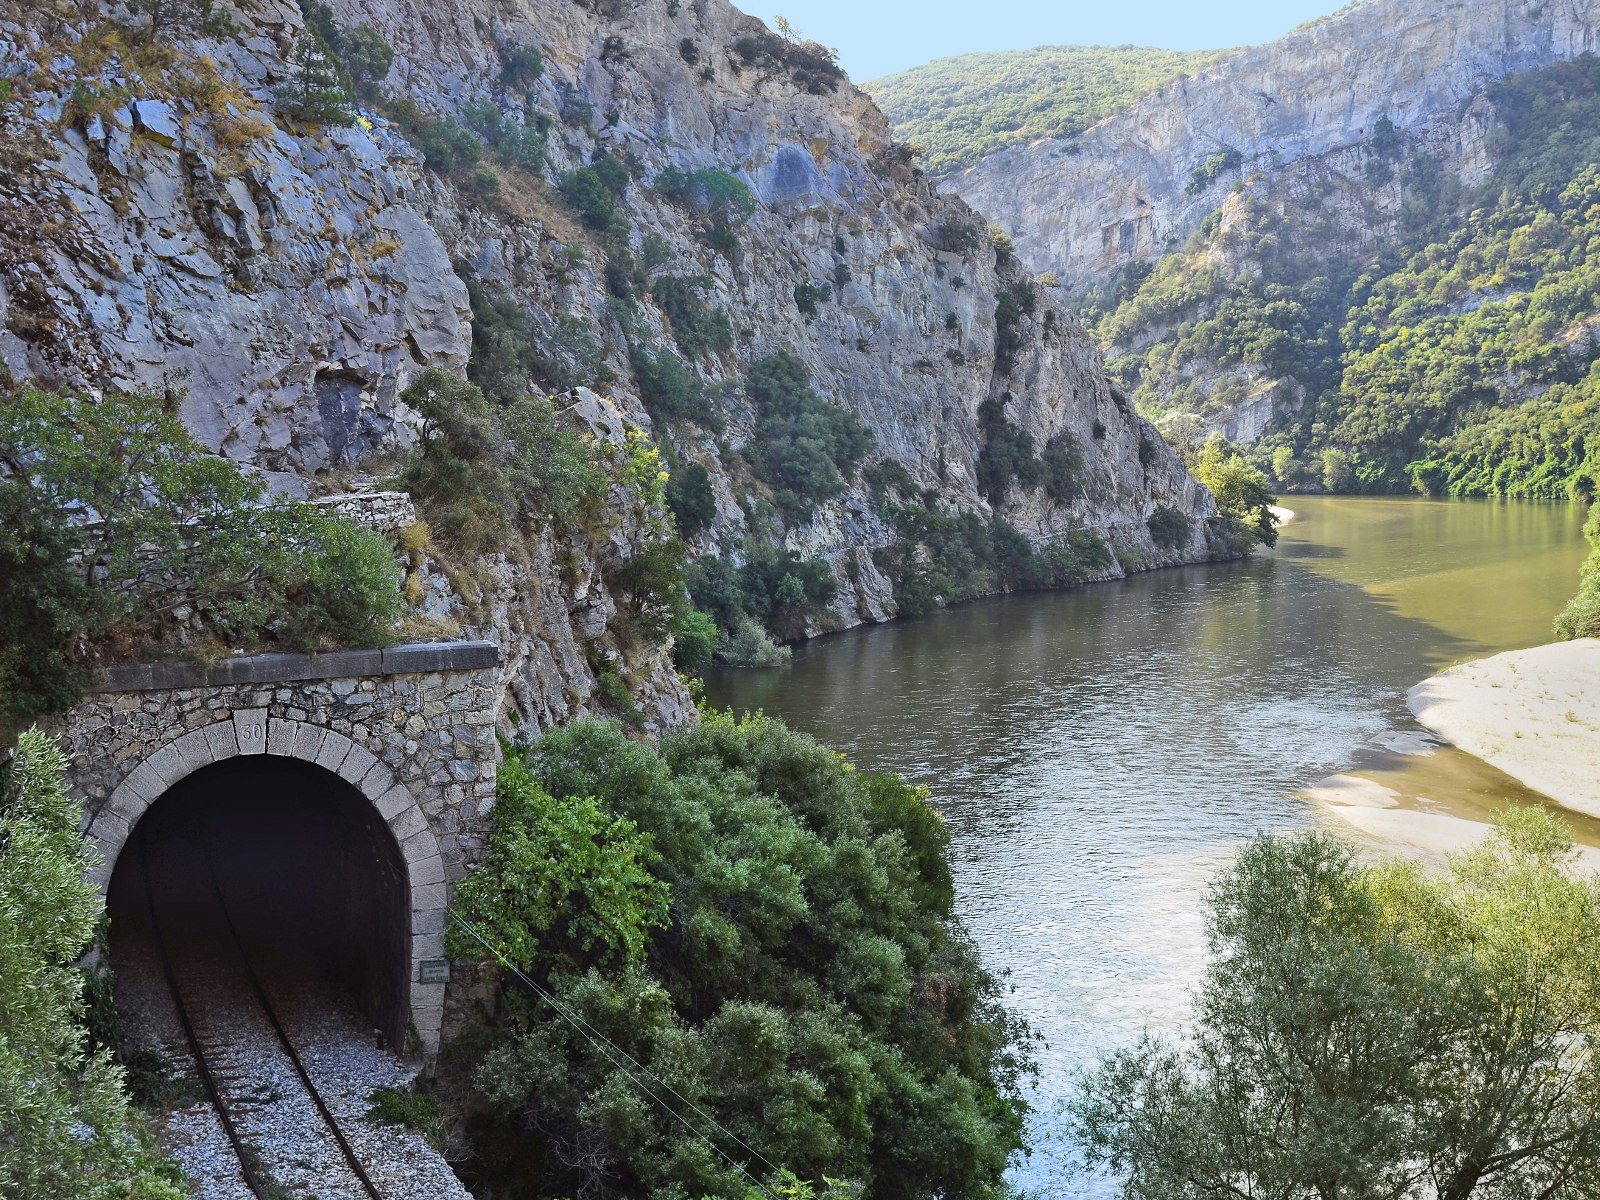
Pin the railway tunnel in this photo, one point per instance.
(333, 798)
(281, 864)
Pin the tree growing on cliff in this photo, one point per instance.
(1240, 489)
(313, 90)
(67, 1130)
(199, 18)
(1375, 1032)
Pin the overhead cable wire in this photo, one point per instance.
(613, 1052)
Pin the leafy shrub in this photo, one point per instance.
(482, 467)
(521, 66)
(1009, 308)
(808, 295)
(749, 645)
(362, 51)
(694, 642)
(708, 191)
(1168, 527)
(313, 90)
(939, 559)
(775, 588)
(785, 592)
(812, 66)
(1007, 455)
(887, 476)
(507, 359)
(959, 237)
(413, 1109)
(1240, 489)
(612, 172)
(521, 144)
(1499, 941)
(1219, 164)
(812, 987)
(448, 147)
(587, 193)
(804, 446)
(696, 325)
(1581, 617)
(651, 582)
(1061, 467)
(175, 528)
(564, 883)
(345, 588)
(670, 391)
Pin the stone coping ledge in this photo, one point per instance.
(413, 659)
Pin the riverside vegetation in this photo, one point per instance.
(1375, 1031)
(769, 935)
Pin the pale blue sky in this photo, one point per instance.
(877, 37)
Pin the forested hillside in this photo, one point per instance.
(960, 109)
(1454, 352)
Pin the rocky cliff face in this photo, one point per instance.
(1135, 186)
(167, 228)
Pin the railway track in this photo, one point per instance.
(227, 1040)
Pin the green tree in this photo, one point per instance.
(563, 883)
(1376, 1032)
(692, 500)
(805, 448)
(67, 1129)
(694, 641)
(483, 466)
(313, 90)
(1240, 489)
(199, 18)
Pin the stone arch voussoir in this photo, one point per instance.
(253, 731)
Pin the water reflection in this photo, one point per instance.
(1099, 752)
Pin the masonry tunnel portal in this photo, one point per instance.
(276, 863)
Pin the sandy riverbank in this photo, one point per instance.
(1518, 728)
(1533, 714)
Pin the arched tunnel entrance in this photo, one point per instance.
(276, 863)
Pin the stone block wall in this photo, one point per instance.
(411, 728)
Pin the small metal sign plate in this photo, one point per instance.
(433, 970)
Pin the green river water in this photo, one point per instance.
(1100, 752)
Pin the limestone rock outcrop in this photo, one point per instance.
(166, 227)
(1121, 192)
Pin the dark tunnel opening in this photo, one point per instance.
(294, 859)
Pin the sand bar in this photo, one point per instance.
(1534, 714)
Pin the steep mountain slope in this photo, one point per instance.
(659, 200)
(962, 108)
(1395, 291)
(1142, 181)
(1372, 323)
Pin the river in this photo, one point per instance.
(1100, 752)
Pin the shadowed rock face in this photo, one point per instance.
(288, 282)
(1116, 194)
